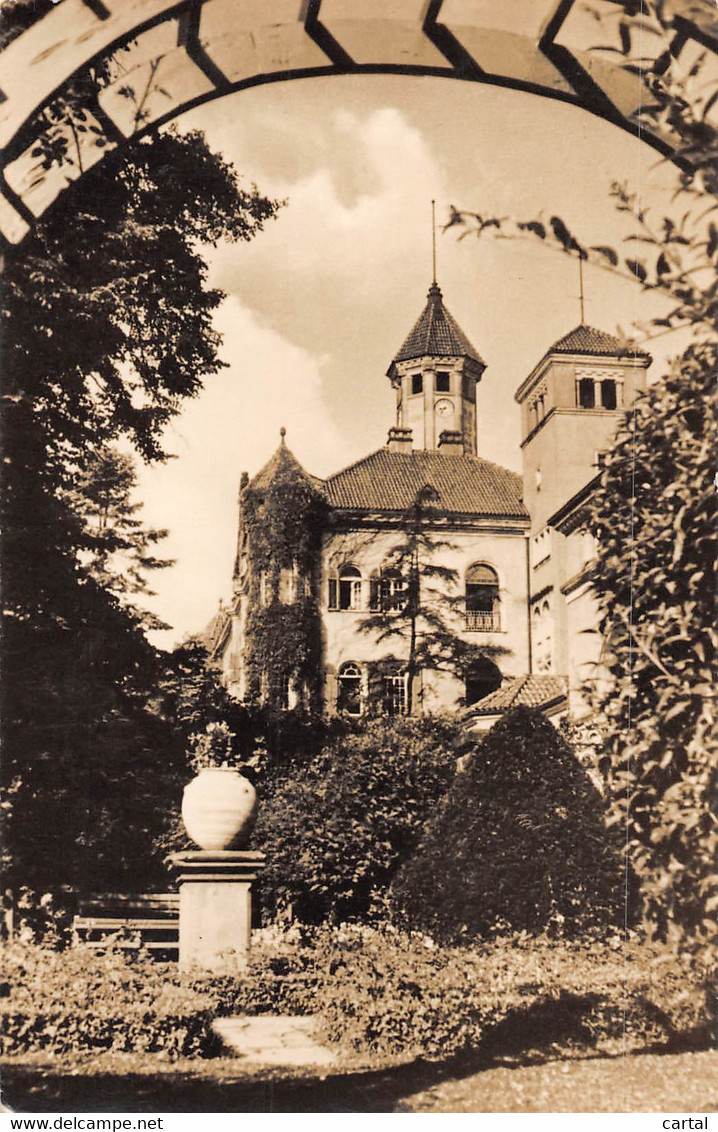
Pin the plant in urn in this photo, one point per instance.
(219, 805)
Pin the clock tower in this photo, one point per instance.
(435, 375)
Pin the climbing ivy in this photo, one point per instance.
(283, 516)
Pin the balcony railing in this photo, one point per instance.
(482, 621)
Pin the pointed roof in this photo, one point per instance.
(283, 460)
(389, 481)
(436, 333)
(587, 340)
(216, 628)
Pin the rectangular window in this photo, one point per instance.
(285, 689)
(608, 394)
(395, 694)
(587, 393)
(443, 383)
(417, 383)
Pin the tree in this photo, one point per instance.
(107, 330)
(654, 511)
(518, 841)
(413, 603)
(118, 551)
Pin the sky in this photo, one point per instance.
(318, 304)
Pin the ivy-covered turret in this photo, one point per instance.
(277, 585)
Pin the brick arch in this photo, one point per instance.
(176, 56)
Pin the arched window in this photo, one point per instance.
(345, 589)
(483, 610)
(481, 679)
(349, 689)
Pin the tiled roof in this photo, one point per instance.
(527, 691)
(437, 333)
(389, 481)
(587, 340)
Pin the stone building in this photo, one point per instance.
(320, 575)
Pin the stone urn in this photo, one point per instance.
(218, 808)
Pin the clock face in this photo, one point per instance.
(443, 408)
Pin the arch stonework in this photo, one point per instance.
(161, 58)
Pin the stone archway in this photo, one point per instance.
(158, 58)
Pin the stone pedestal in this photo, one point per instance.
(215, 915)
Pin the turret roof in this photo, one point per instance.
(283, 460)
(587, 340)
(436, 333)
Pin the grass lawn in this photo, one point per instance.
(682, 1082)
(686, 1082)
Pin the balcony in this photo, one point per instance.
(482, 621)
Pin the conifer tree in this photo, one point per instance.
(415, 612)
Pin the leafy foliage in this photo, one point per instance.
(283, 521)
(107, 329)
(654, 511)
(336, 827)
(519, 839)
(655, 579)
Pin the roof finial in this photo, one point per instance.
(580, 285)
(433, 241)
(282, 433)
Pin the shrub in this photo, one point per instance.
(336, 828)
(64, 1002)
(391, 994)
(520, 838)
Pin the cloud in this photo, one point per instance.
(370, 190)
(233, 426)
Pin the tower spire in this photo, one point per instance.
(433, 241)
(580, 287)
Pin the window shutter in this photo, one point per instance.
(375, 592)
(333, 603)
(330, 693)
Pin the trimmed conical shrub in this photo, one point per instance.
(519, 842)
